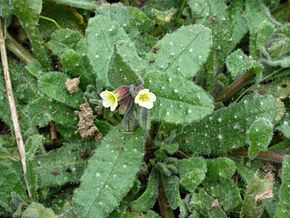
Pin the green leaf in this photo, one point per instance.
(227, 193)
(259, 136)
(64, 165)
(284, 127)
(130, 18)
(148, 198)
(110, 173)
(125, 66)
(102, 35)
(53, 85)
(134, 22)
(33, 143)
(283, 209)
(171, 189)
(192, 172)
(265, 33)
(182, 52)
(228, 27)
(220, 168)
(202, 202)
(76, 65)
(43, 110)
(226, 128)
(178, 100)
(238, 63)
(6, 8)
(36, 210)
(10, 181)
(28, 14)
(83, 4)
(256, 193)
(257, 14)
(32, 179)
(64, 39)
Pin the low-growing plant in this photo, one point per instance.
(175, 108)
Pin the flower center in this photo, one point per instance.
(112, 98)
(144, 97)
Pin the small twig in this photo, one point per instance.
(265, 155)
(164, 207)
(12, 105)
(53, 133)
(234, 87)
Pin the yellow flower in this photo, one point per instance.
(145, 98)
(110, 99)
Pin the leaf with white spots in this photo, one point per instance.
(238, 63)
(110, 173)
(283, 208)
(225, 129)
(178, 99)
(53, 85)
(102, 35)
(259, 136)
(183, 51)
(125, 65)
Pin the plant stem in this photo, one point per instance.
(51, 20)
(12, 105)
(18, 50)
(165, 210)
(182, 6)
(53, 133)
(234, 87)
(265, 155)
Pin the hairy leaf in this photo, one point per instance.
(227, 193)
(125, 66)
(171, 189)
(32, 144)
(238, 63)
(6, 8)
(64, 39)
(110, 173)
(228, 27)
(182, 52)
(178, 100)
(28, 12)
(226, 128)
(63, 165)
(83, 4)
(259, 136)
(220, 168)
(102, 35)
(283, 209)
(53, 85)
(147, 200)
(192, 172)
(252, 204)
(36, 210)
(78, 66)
(202, 201)
(43, 110)
(10, 181)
